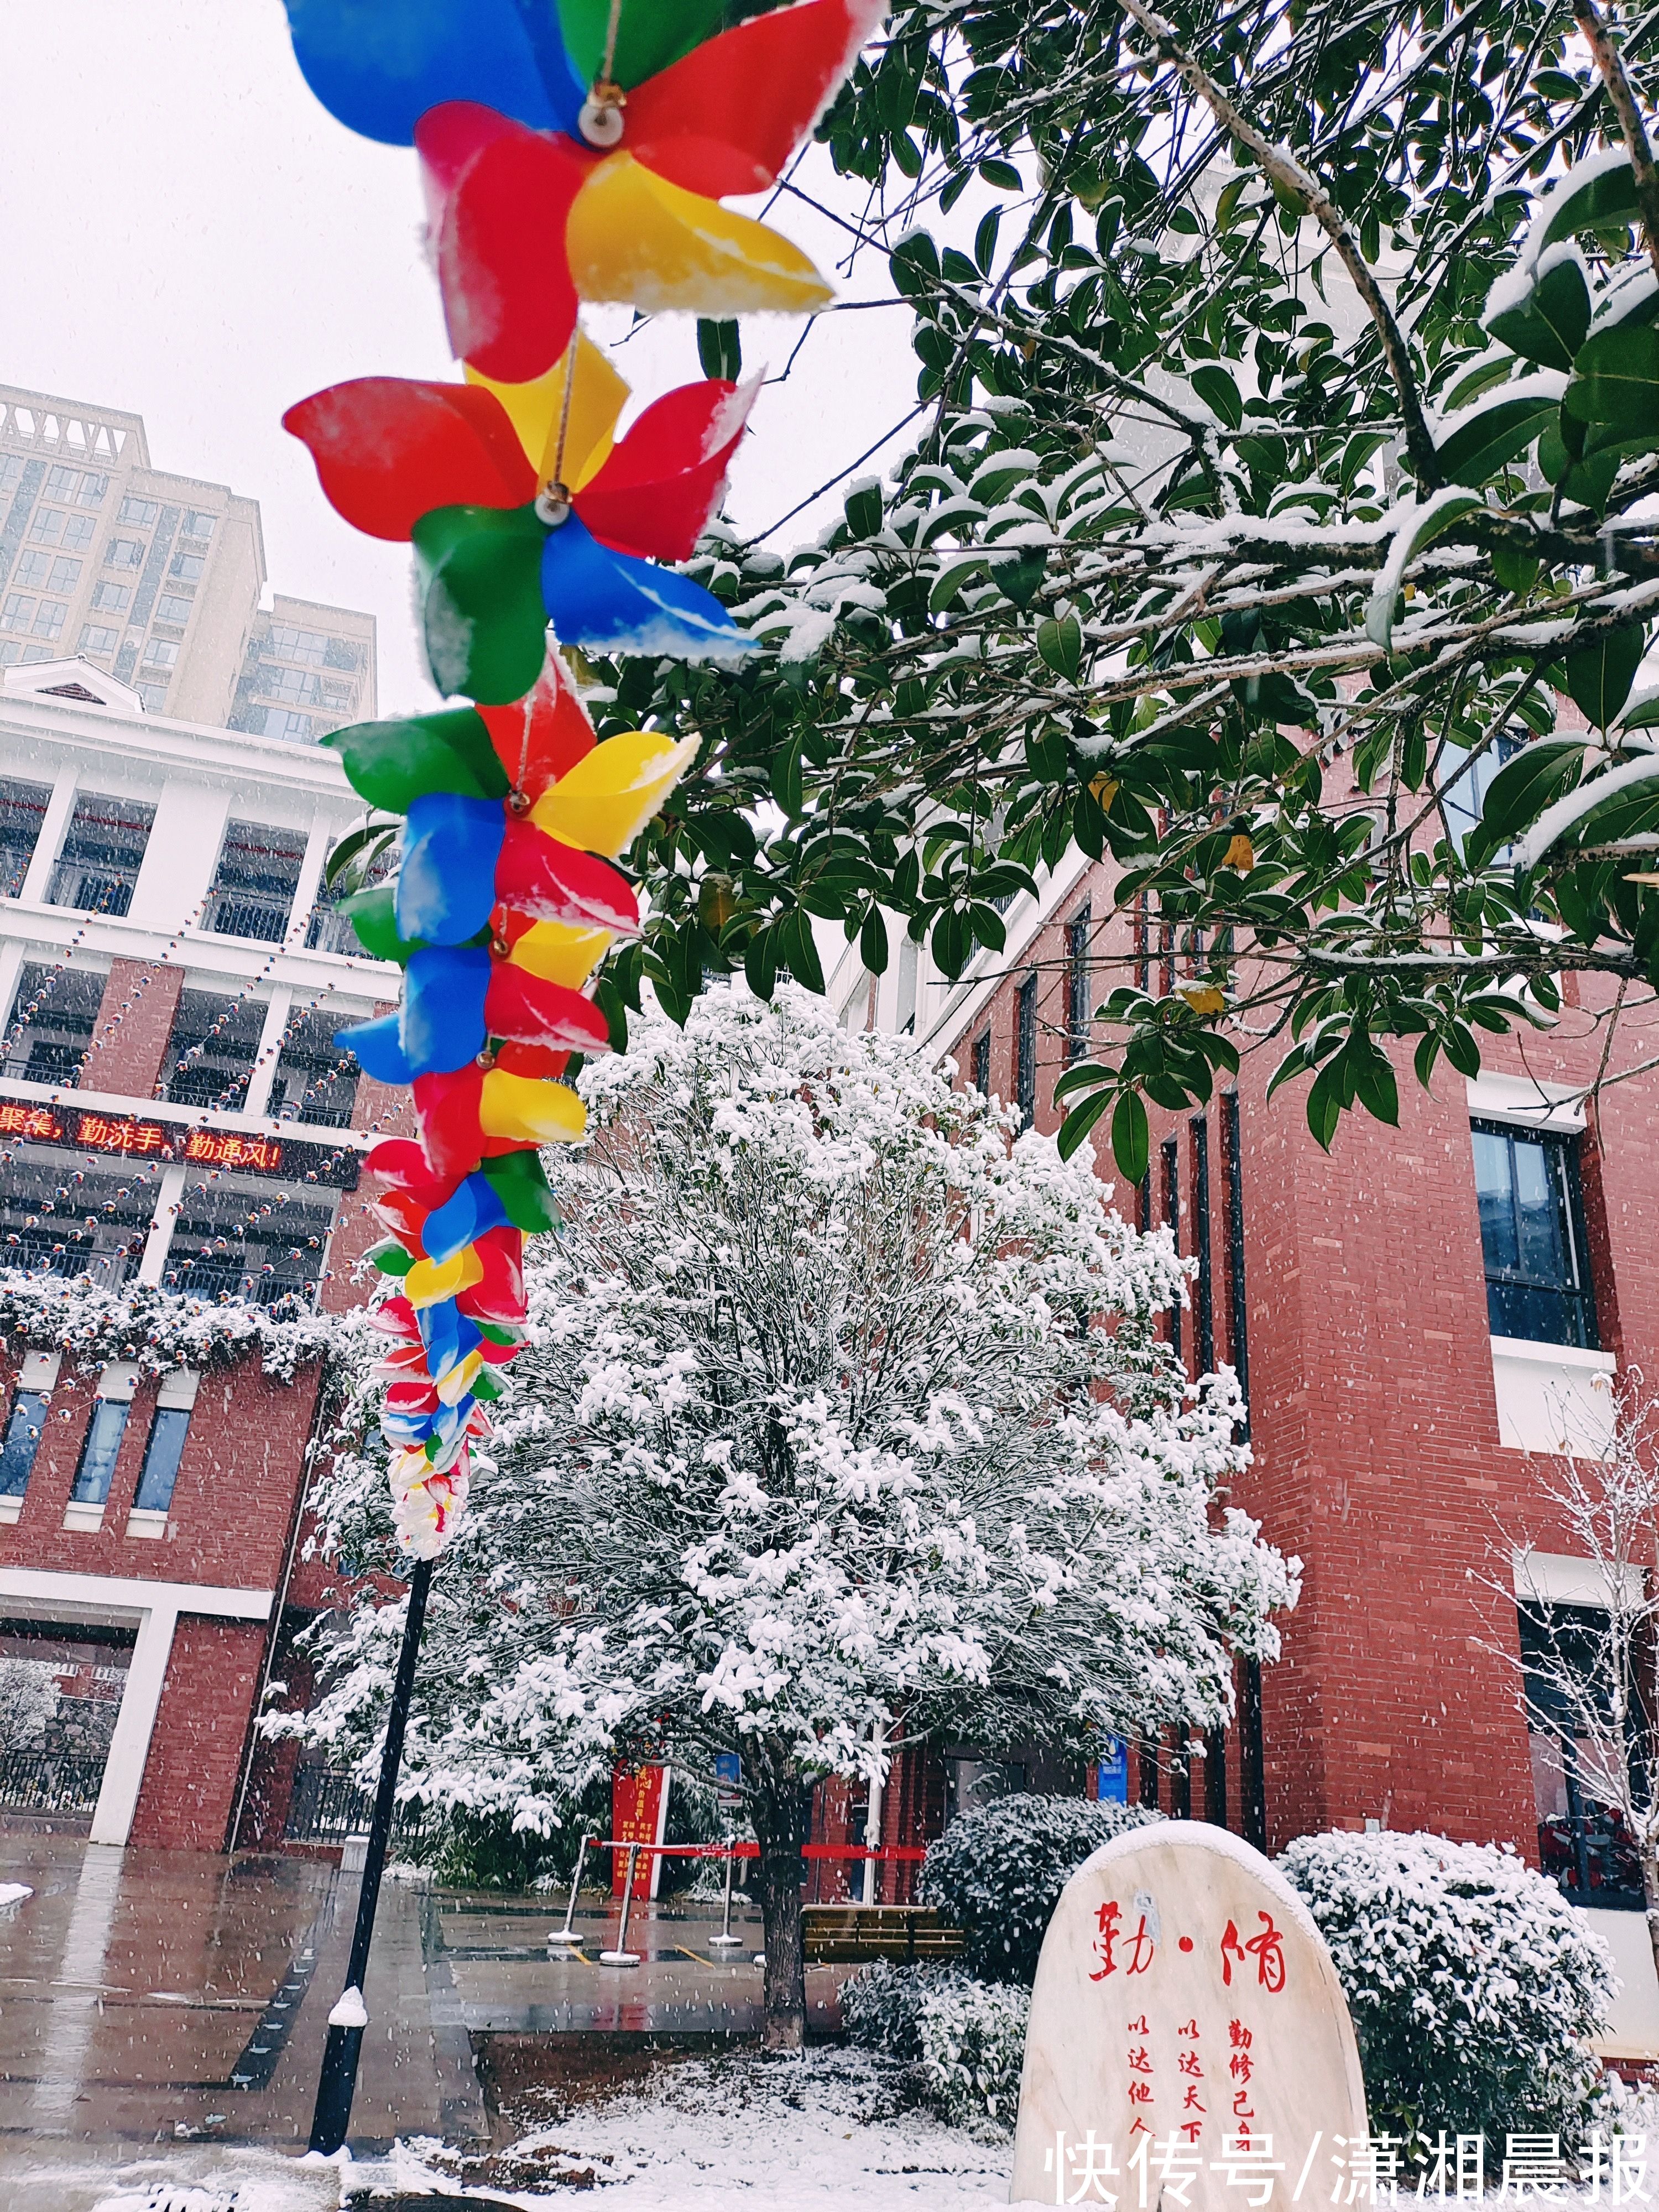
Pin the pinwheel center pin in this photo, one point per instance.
(600, 119)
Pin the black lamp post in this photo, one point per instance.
(337, 2082)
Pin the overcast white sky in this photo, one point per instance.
(189, 235)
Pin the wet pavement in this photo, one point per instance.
(149, 1996)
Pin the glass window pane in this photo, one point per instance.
(1495, 1190)
(213, 1046)
(102, 852)
(23, 1432)
(1539, 1210)
(161, 1456)
(22, 811)
(91, 1477)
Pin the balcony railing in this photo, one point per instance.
(234, 913)
(91, 891)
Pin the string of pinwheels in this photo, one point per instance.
(570, 151)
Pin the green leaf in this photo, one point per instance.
(948, 587)
(872, 942)
(799, 951)
(1018, 575)
(1324, 1106)
(1538, 774)
(1003, 175)
(1549, 325)
(760, 962)
(863, 509)
(719, 348)
(786, 781)
(372, 914)
(1079, 1121)
(359, 849)
(1488, 436)
(952, 943)
(1616, 381)
(1599, 678)
(985, 240)
(1219, 393)
(1060, 645)
(1132, 1137)
(1586, 200)
(1421, 528)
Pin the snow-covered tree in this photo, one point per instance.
(1592, 1670)
(845, 1422)
(28, 1702)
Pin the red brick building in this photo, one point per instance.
(174, 1116)
(1420, 1317)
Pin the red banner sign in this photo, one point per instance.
(639, 1814)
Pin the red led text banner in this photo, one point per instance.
(159, 1140)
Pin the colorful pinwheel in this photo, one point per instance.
(523, 510)
(569, 150)
(584, 157)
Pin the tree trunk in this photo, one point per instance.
(781, 1828)
(1651, 1894)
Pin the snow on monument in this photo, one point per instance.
(1188, 2039)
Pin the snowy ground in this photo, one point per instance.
(768, 2135)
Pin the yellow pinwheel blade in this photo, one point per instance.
(557, 953)
(633, 236)
(602, 804)
(536, 410)
(429, 1280)
(522, 1107)
(455, 1385)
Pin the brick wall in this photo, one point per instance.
(135, 1020)
(194, 1770)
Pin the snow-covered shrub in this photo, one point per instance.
(966, 2038)
(159, 1331)
(28, 1702)
(997, 1872)
(1473, 1984)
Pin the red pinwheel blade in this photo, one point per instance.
(388, 449)
(541, 737)
(726, 118)
(655, 490)
(536, 875)
(535, 1060)
(395, 1317)
(499, 197)
(400, 1161)
(531, 1011)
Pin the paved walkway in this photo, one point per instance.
(149, 1995)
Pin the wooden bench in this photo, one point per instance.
(851, 1934)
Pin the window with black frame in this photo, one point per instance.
(1532, 1235)
(1585, 1844)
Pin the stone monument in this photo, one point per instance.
(1189, 2043)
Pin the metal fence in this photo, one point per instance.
(45, 1782)
(327, 1807)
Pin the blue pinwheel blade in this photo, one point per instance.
(451, 1227)
(446, 884)
(378, 1048)
(443, 1009)
(614, 603)
(377, 65)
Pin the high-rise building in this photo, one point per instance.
(157, 580)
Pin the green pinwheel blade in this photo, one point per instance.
(650, 35)
(480, 596)
(372, 915)
(390, 763)
(520, 1183)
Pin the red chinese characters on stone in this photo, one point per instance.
(1268, 1949)
(1108, 1933)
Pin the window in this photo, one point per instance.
(65, 575)
(18, 611)
(103, 1441)
(251, 894)
(163, 1454)
(33, 569)
(1584, 1845)
(315, 1079)
(51, 527)
(1025, 1050)
(52, 1019)
(92, 488)
(309, 645)
(292, 684)
(87, 489)
(60, 1217)
(22, 811)
(212, 1049)
(196, 525)
(283, 722)
(261, 1242)
(1169, 1158)
(49, 619)
(170, 608)
(1466, 795)
(1532, 1236)
(23, 1433)
(187, 565)
(982, 1064)
(102, 852)
(142, 512)
(95, 638)
(124, 553)
(159, 653)
(110, 598)
(341, 652)
(155, 696)
(61, 483)
(1079, 1011)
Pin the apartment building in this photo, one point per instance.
(1423, 1319)
(156, 579)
